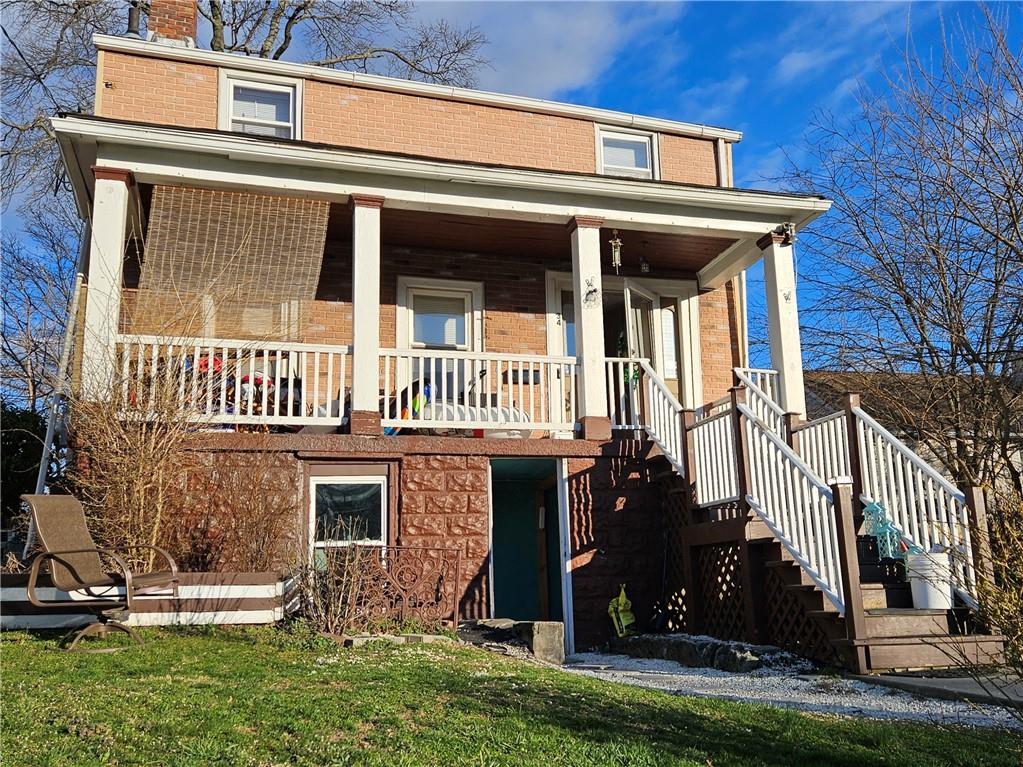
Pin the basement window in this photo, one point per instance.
(623, 153)
(262, 107)
(348, 510)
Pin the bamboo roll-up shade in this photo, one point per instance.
(235, 262)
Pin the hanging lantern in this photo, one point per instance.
(616, 250)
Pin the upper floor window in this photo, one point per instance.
(262, 106)
(626, 154)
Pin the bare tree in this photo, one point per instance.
(918, 269)
(49, 67)
(37, 274)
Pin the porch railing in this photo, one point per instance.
(713, 443)
(218, 381)
(824, 445)
(795, 504)
(928, 509)
(459, 390)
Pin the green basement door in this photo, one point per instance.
(526, 539)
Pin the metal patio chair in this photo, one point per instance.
(75, 565)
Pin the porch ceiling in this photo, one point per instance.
(666, 253)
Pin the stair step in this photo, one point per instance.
(884, 571)
(882, 595)
(922, 652)
(897, 622)
(812, 598)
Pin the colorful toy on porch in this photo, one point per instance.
(620, 610)
(410, 397)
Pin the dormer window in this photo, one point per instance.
(261, 106)
(624, 153)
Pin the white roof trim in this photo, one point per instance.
(239, 146)
(410, 87)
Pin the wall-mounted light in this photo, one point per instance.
(616, 250)
(644, 266)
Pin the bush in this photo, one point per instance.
(22, 432)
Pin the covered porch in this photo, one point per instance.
(468, 301)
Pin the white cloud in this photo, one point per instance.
(844, 33)
(548, 49)
(714, 102)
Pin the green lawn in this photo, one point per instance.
(264, 697)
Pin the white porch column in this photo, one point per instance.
(783, 319)
(589, 327)
(103, 293)
(365, 416)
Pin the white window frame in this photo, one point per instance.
(470, 292)
(348, 479)
(653, 143)
(231, 78)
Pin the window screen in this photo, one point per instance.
(438, 320)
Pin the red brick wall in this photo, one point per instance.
(154, 90)
(444, 503)
(617, 537)
(172, 18)
(684, 158)
(340, 114)
(719, 341)
(615, 517)
(514, 295)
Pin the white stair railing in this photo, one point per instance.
(795, 504)
(623, 375)
(767, 381)
(662, 417)
(762, 386)
(714, 456)
(927, 508)
(824, 446)
(640, 400)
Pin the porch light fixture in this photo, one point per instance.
(644, 266)
(616, 250)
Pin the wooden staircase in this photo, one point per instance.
(764, 543)
(898, 637)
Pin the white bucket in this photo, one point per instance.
(930, 580)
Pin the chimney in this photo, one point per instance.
(173, 21)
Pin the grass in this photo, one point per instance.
(266, 697)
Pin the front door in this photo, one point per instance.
(639, 323)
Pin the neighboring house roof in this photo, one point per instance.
(920, 398)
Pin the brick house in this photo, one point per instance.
(501, 324)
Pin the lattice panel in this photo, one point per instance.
(789, 624)
(719, 571)
(676, 518)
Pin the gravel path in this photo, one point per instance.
(806, 692)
